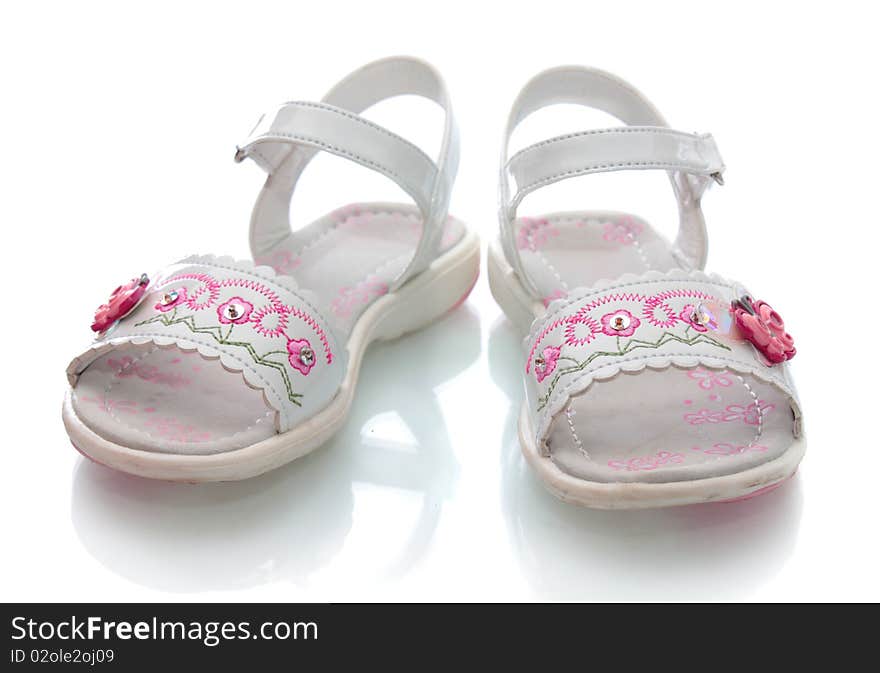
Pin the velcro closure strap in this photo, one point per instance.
(255, 322)
(634, 323)
(612, 149)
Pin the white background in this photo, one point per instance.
(118, 129)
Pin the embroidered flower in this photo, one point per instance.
(581, 329)
(122, 302)
(620, 323)
(751, 414)
(623, 231)
(658, 313)
(204, 293)
(545, 363)
(302, 357)
(764, 328)
(171, 300)
(708, 379)
(647, 462)
(698, 318)
(269, 321)
(234, 311)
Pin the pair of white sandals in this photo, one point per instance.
(648, 382)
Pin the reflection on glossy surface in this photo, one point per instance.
(700, 552)
(391, 464)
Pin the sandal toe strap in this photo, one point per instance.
(685, 319)
(255, 322)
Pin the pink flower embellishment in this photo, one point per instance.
(171, 299)
(764, 328)
(122, 302)
(707, 379)
(545, 363)
(234, 311)
(301, 356)
(620, 323)
(698, 317)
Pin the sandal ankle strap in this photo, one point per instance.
(286, 139)
(692, 160)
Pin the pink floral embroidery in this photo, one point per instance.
(764, 328)
(545, 364)
(623, 231)
(581, 329)
(171, 300)
(202, 295)
(234, 311)
(647, 462)
(122, 302)
(708, 379)
(534, 234)
(269, 321)
(620, 323)
(206, 293)
(362, 293)
(690, 314)
(750, 414)
(301, 356)
(725, 449)
(658, 313)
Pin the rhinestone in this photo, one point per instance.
(701, 315)
(620, 323)
(539, 363)
(169, 297)
(306, 356)
(232, 311)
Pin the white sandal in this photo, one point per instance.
(649, 383)
(214, 369)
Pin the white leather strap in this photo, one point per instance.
(646, 142)
(613, 149)
(285, 140)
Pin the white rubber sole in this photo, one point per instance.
(437, 290)
(521, 309)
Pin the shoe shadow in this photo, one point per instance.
(699, 552)
(386, 474)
